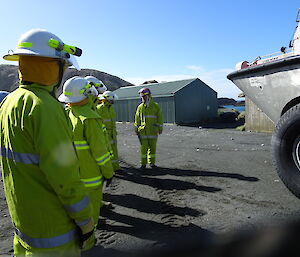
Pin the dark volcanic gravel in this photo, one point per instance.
(211, 184)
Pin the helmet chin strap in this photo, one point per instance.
(61, 69)
(146, 99)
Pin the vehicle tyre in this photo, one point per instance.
(286, 149)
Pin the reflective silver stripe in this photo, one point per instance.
(47, 242)
(150, 116)
(83, 222)
(27, 158)
(81, 145)
(93, 182)
(90, 182)
(103, 159)
(148, 137)
(77, 207)
(152, 136)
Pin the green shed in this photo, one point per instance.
(181, 102)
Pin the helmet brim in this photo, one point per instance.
(66, 99)
(11, 57)
(16, 56)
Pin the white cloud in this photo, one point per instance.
(194, 68)
(216, 79)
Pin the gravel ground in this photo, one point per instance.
(212, 183)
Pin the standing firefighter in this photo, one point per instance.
(94, 101)
(148, 124)
(48, 205)
(108, 114)
(101, 88)
(89, 141)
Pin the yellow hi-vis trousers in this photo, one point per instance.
(96, 196)
(21, 249)
(148, 150)
(115, 158)
(114, 148)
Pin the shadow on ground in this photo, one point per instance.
(186, 173)
(137, 176)
(276, 241)
(146, 205)
(163, 233)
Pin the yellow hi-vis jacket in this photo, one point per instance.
(40, 170)
(108, 115)
(148, 120)
(93, 102)
(90, 144)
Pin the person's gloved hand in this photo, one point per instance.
(108, 181)
(87, 238)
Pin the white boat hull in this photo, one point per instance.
(270, 86)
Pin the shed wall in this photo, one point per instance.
(199, 98)
(125, 109)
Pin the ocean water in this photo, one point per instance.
(238, 108)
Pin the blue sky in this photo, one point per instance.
(166, 40)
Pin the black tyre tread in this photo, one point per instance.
(286, 120)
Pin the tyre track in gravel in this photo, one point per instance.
(171, 207)
(174, 215)
(105, 237)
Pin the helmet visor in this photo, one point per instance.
(73, 62)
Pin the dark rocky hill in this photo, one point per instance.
(9, 79)
(230, 101)
(226, 101)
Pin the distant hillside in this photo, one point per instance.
(9, 79)
(230, 101)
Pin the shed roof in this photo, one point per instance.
(157, 89)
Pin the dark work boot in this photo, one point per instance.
(153, 166)
(143, 167)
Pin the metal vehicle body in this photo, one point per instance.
(272, 82)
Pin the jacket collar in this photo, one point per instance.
(35, 85)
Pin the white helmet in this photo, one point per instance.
(39, 42)
(76, 89)
(108, 95)
(99, 85)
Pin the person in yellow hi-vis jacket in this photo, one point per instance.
(108, 114)
(89, 141)
(148, 124)
(94, 101)
(48, 204)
